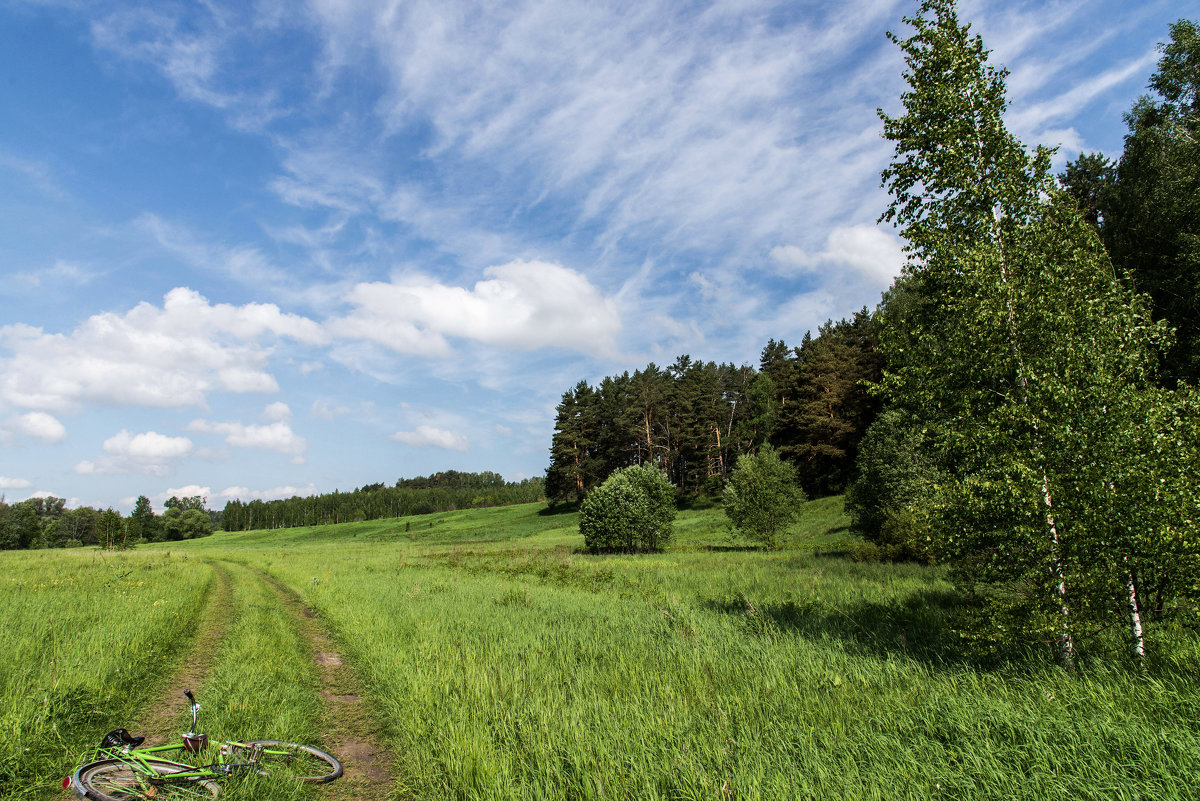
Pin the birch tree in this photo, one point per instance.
(1022, 355)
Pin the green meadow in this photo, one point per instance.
(499, 660)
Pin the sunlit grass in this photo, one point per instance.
(511, 664)
(503, 661)
(84, 640)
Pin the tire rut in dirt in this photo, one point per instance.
(349, 729)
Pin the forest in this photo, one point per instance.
(47, 523)
(439, 492)
(693, 418)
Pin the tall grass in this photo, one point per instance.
(508, 664)
(85, 638)
(502, 661)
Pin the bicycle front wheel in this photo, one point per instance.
(294, 761)
(115, 780)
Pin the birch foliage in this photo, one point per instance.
(1028, 363)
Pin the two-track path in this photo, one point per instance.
(347, 727)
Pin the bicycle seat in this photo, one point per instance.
(120, 737)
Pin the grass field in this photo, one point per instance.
(497, 660)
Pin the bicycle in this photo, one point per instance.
(119, 770)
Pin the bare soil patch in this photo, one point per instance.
(328, 659)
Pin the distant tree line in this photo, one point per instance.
(694, 419)
(47, 523)
(439, 492)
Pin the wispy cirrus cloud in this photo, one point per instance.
(243, 262)
(196, 48)
(647, 120)
(36, 174)
(60, 273)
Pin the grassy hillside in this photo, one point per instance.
(499, 660)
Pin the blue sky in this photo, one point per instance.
(257, 249)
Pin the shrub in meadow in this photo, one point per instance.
(762, 498)
(633, 510)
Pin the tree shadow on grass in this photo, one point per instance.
(557, 509)
(920, 627)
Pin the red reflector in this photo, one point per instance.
(66, 782)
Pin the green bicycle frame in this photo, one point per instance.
(222, 767)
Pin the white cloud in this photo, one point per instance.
(61, 272)
(14, 483)
(1031, 120)
(40, 426)
(191, 51)
(276, 412)
(274, 493)
(274, 436)
(429, 436)
(168, 357)
(867, 250)
(37, 174)
(702, 129)
(149, 453)
(322, 409)
(522, 304)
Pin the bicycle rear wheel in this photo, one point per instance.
(116, 780)
(300, 762)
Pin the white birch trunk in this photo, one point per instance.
(1066, 642)
(1135, 619)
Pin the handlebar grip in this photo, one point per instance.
(189, 695)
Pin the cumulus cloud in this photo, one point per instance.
(274, 493)
(39, 425)
(148, 453)
(216, 500)
(870, 252)
(14, 483)
(167, 357)
(273, 436)
(426, 436)
(521, 304)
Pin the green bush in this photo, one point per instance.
(633, 510)
(762, 498)
(896, 479)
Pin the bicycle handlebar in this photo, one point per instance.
(194, 709)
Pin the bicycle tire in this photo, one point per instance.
(117, 780)
(300, 762)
